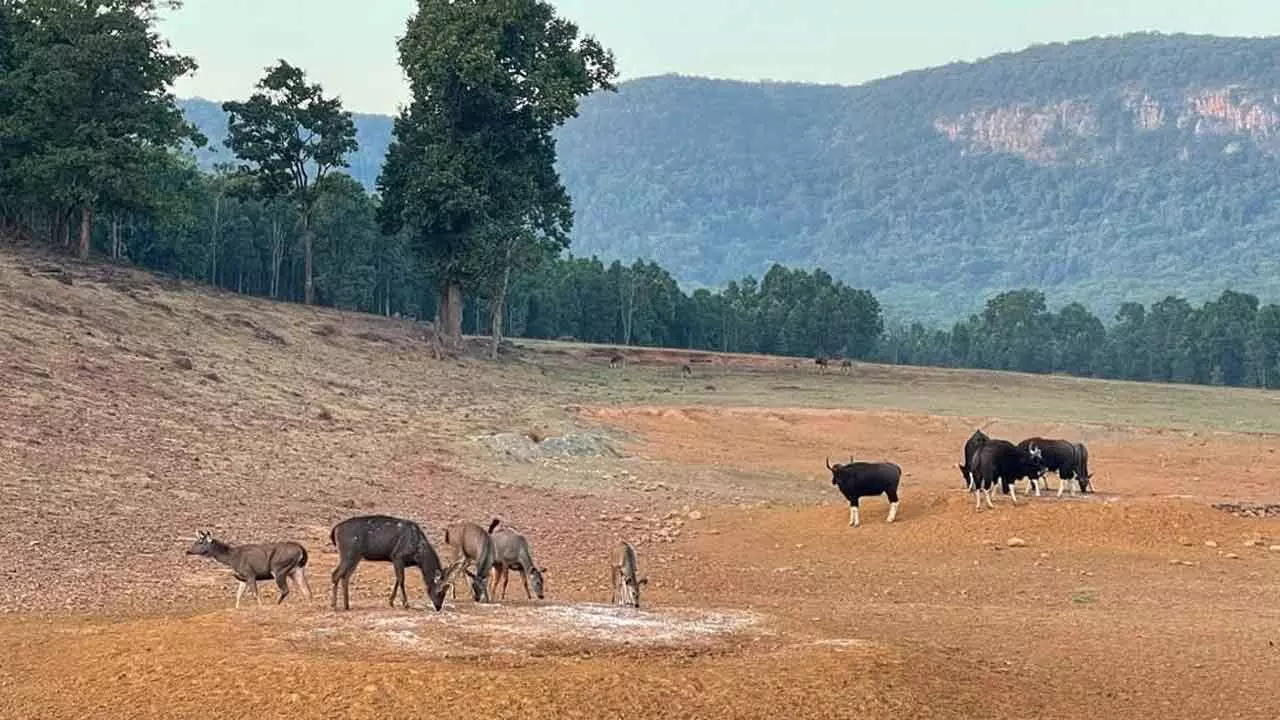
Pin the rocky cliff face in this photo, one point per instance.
(1053, 133)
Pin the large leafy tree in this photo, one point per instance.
(471, 171)
(291, 135)
(85, 106)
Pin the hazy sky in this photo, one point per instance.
(350, 46)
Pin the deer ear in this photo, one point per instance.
(542, 570)
(643, 581)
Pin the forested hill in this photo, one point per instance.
(1104, 171)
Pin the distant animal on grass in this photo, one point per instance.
(1070, 460)
(856, 480)
(623, 575)
(1002, 462)
(686, 371)
(382, 538)
(472, 544)
(616, 360)
(846, 366)
(821, 362)
(511, 552)
(281, 561)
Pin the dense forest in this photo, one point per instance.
(96, 161)
(1099, 171)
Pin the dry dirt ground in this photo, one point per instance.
(134, 412)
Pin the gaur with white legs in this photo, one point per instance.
(857, 480)
(1000, 461)
(472, 544)
(623, 575)
(1070, 460)
(281, 561)
(511, 552)
(382, 538)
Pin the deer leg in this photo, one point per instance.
(300, 577)
(253, 588)
(239, 593)
(399, 585)
(342, 574)
(613, 585)
(282, 582)
(524, 577)
(506, 576)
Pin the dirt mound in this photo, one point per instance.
(523, 448)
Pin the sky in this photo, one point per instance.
(349, 47)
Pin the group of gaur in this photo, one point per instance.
(382, 538)
(987, 462)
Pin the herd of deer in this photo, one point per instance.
(382, 538)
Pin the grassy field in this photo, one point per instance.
(135, 412)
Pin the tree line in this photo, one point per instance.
(470, 225)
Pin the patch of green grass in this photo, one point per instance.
(1084, 596)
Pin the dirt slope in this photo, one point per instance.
(133, 412)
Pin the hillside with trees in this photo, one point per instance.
(471, 220)
(1100, 171)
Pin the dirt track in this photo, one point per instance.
(761, 600)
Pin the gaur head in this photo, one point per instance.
(535, 581)
(835, 469)
(964, 473)
(203, 544)
(1085, 484)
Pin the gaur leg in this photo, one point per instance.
(893, 505)
(1013, 493)
(854, 520)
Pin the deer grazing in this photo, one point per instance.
(511, 552)
(283, 561)
(622, 575)
(616, 360)
(472, 544)
(381, 538)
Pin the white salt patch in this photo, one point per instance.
(483, 629)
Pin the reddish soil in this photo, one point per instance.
(1140, 601)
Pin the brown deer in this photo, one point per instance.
(472, 544)
(282, 561)
(622, 575)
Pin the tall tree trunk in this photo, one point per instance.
(309, 290)
(86, 231)
(213, 238)
(277, 255)
(449, 318)
(497, 311)
(115, 236)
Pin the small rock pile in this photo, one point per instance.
(1252, 510)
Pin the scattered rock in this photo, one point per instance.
(1274, 548)
(524, 449)
(1014, 542)
(1185, 542)
(695, 515)
(1210, 544)
(182, 362)
(1231, 556)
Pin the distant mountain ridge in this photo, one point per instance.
(1101, 170)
